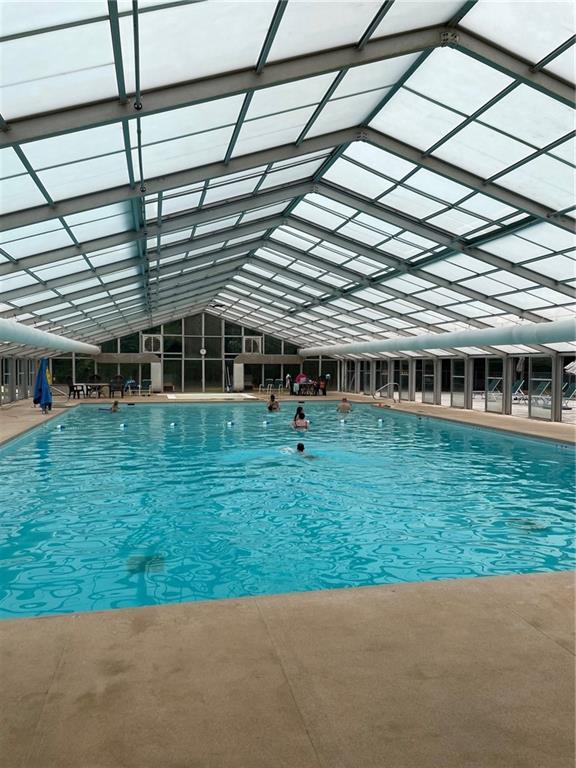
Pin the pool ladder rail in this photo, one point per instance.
(395, 390)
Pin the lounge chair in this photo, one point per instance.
(493, 390)
(518, 393)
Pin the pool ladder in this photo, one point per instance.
(395, 389)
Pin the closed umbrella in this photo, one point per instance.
(42, 391)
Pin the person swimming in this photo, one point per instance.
(273, 404)
(301, 451)
(114, 408)
(344, 406)
(300, 421)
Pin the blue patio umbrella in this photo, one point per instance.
(42, 391)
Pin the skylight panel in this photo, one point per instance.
(314, 213)
(304, 29)
(447, 270)
(188, 152)
(217, 38)
(291, 173)
(482, 150)
(294, 237)
(80, 178)
(281, 98)
(397, 119)
(60, 269)
(552, 296)
(356, 179)
(526, 301)
(532, 34)
(332, 254)
(229, 191)
(262, 213)
(562, 65)
(531, 116)
(456, 222)
(470, 263)
(360, 233)
(346, 112)
(457, 80)
(487, 206)
(364, 266)
(47, 241)
(401, 17)
(220, 224)
(53, 59)
(399, 248)
(346, 211)
(438, 186)
(412, 203)
(485, 285)
(557, 267)
(544, 179)
(19, 192)
(272, 131)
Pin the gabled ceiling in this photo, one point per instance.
(324, 171)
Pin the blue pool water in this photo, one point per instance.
(95, 517)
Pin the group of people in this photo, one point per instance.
(300, 422)
(302, 384)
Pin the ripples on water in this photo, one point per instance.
(94, 517)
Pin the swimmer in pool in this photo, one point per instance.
(300, 421)
(344, 406)
(273, 404)
(115, 407)
(301, 451)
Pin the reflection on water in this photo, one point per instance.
(95, 517)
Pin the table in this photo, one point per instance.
(92, 386)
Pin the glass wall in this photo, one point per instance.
(404, 379)
(494, 397)
(540, 389)
(428, 381)
(457, 383)
(197, 353)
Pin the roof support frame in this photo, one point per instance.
(231, 83)
(452, 244)
(344, 242)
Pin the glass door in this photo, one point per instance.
(428, 381)
(457, 383)
(493, 392)
(540, 390)
(404, 379)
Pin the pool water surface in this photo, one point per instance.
(203, 502)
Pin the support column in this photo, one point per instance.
(11, 379)
(412, 380)
(507, 381)
(438, 381)
(468, 382)
(557, 372)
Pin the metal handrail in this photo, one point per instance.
(385, 386)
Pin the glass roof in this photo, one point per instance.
(327, 171)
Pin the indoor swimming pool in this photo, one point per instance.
(172, 503)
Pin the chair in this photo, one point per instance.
(568, 394)
(117, 385)
(491, 392)
(541, 393)
(518, 393)
(145, 387)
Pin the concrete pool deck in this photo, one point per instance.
(470, 673)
